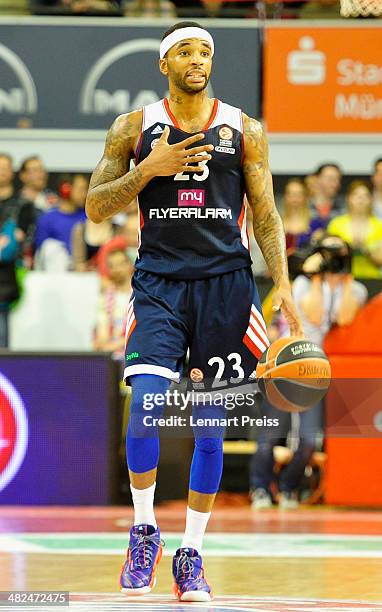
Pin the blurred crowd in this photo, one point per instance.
(47, 230)
(290, 9)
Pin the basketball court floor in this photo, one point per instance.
(307, 560)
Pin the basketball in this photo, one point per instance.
(293, 374)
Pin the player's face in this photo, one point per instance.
(188, 65)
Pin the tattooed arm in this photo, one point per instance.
(112, 187)
(267, 224)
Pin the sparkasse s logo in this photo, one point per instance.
(13, 432)
(17, 88)
(134, 66)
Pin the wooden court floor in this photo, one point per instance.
(310, 559)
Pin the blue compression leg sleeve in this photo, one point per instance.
(142, 441)
(207, 460)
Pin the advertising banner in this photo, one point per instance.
(323, 79)
(81, 74)
(58, 434)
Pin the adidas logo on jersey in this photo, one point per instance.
(157, 130)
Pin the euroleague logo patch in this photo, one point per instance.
(196, 375)
(225, 133)
(13, 432)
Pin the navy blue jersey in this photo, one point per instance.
(193, 225)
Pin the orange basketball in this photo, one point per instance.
(293, 374)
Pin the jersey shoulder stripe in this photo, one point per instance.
(226, 115)
(153, 114)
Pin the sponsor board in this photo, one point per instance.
(330, 78)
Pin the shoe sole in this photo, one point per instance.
(197, 596)
(146, 589)
(141, 591)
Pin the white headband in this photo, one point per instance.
(183, 34)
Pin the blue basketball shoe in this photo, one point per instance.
(189, 581)
(143, 555)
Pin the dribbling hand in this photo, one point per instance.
(166, 159)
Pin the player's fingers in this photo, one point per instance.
(165, 134)
(202, 149)
(189, 141)
(198, 158)
(192, 169)
(276, 303)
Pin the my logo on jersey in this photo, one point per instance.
(190, 197)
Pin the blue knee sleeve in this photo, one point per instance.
(207, 460)
(142, 442)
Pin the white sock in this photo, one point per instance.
(196, 523)
(143, 500)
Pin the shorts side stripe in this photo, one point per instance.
(258, 316)
(256, 340)
(252, 347)
(130, 331)
(254, 325)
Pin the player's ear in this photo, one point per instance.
(163, 66)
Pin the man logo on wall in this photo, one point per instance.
(17, 95)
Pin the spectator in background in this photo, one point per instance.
(14, 7)
(53, 238)
(9, 244)
(326, 203)
(362, 230)
(150, 8)
(77, 7)
(10, 202)
(88, 238)
(325, 294)
(320, 9)
(296, 214)
(34, 179)
(12, 205)
(112, 309)
(376, 179)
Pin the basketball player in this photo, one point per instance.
(195, 157)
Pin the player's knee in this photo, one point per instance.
(209, 445)
(146, 390)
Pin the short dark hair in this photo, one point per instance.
(322, 167)
(26, 161)
(377, 161)
(182, 24)
(7, 156)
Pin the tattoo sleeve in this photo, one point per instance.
(112, 187)
(267, 224)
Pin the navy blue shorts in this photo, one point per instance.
(219, 320)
